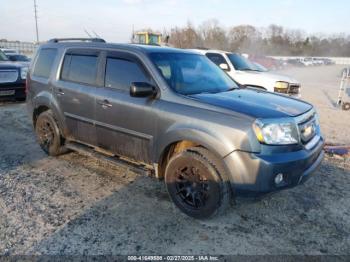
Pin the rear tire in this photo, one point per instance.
(197, 183)
(48, 134)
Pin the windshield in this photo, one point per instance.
(3, 56)
(241, 63)
(189, 74)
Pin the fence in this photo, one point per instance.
(26, 48)
(337, 60)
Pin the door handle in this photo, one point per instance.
(104, 103)
(59, 92)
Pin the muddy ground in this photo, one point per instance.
(76, 205)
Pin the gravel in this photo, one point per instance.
(77, 205)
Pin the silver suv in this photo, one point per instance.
(173, 111)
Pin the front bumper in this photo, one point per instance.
(17, 87)
(255, 173)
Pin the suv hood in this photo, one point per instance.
(255, 103)
(264, 79)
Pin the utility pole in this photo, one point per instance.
(36, 22)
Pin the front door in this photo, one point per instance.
(125, 125)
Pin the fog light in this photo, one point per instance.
(278, 178)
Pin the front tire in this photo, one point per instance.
(48, 134)
(197, 184)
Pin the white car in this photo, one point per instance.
(307, 61)
(248, 74)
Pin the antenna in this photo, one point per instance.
(87, 33)
(36, 21)
(96, 34)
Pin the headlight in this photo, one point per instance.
(24, 71)
(281, 85)
(276, 132)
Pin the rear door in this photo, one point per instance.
(75, 92)
(125, 125)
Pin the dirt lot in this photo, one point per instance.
(76, 205)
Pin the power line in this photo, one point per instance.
(36, 21)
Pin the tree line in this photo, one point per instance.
(272, 40)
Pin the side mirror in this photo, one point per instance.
(224, 66)
(142, 89)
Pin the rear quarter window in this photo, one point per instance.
(80, 68)
(44, 63)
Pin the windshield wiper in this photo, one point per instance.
(249, 69)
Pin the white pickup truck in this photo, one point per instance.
(247, 73)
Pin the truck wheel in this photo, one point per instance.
(48, 134)
(346, 106)
(197, 183)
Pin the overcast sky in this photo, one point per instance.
(113, 19)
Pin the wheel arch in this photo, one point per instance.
(45, 101)
(181, 139)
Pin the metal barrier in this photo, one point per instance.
(344, 90)
(27, 48)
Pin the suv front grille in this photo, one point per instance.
(8, 76)
(307, 125)
(294, 89)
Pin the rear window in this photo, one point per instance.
(216, 58)
(45, 62)
(80, 69)
(121, 73)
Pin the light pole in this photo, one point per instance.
(36, 22)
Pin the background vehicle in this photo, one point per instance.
(176, 112)
(148, 38)
(19, 59)
(295, 62)
(246, 73)
(8, 51)
(328, 61)
(307, 61)
(12, 79)
(267, 62)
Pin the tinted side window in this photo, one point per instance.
(44, 62)
(120, 73)
(217, 58)
(80, 68)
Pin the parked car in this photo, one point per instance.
(246, 73)
(317, 61)
(8, 51)
(12, 79)
(267, 62)
(173, 111)
(19, 59)
(295, 62)
(307, 61)
(328, 61)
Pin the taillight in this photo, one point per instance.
(26, 88)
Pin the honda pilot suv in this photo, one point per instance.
(175, 112)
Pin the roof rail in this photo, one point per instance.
(56, 40)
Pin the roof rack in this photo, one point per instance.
(56, 40)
